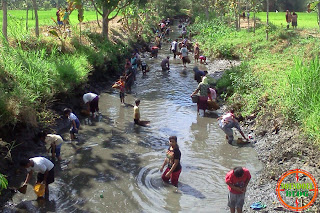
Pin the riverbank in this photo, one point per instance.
(58, 80)
(267, 90)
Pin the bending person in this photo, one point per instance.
(165, 64)
(227, 122)
(45, 169)
(92, 101)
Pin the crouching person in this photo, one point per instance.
(45, 169)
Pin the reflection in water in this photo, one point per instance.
(115, 165)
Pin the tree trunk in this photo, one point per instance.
(207, 11)
(27, 17)
(248, 17)
(35, 7)
(105, 23)
(5, 19)
(254, 22)
(98, 19)
(267, 20)
(319, 14)
(239, 10)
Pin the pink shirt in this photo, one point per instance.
(213, 93)
(227, 117)
(238, 182)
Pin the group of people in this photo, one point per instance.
(291, 18)
(63, 16)
(237, 179)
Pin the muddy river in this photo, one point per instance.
(115, 165)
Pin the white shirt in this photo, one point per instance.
(41, 165)
(89, 97)
(173, 45)
(72, 117)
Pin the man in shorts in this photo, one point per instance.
(45, 169)
(237, 181)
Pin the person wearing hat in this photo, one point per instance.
(203, 91)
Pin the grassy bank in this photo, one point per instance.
(305, 20)
(33, 71)
(18, 17)
(277, 76)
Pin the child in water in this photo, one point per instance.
(144, 67)
(136, 115)
(54, 141)
(75, 123)
(121, 86)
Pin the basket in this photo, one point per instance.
(195, 98)
(39, 189)
(212, 105)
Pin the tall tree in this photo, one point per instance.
(267, 30)
(105, 8)
(312, 6)
(35, 7)
(5, 19)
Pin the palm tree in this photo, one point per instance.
(4, 19)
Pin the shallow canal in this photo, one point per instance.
(115, 165)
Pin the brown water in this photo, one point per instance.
(115, 165)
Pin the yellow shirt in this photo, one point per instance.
(51, 138)
(136, 112)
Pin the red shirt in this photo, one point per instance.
(238, 182)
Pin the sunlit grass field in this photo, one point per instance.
(305, 20)
(18, 17)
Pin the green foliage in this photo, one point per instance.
(3, 182)
(34, 76)
(17, 19)
(305, 20)
(303, 95)
(269, 76)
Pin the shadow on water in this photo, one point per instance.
(189, 190)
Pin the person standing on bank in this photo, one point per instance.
(92, 102)
(196, 53)
(45, 169)
(237, 181)
(173, 161)
(288, 18)
(294, 19)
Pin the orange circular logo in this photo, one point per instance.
(295, 185)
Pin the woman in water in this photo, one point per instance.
(173, 161)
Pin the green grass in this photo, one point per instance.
(305, 20)
(280, 75)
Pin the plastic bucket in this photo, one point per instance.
(39, 189)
